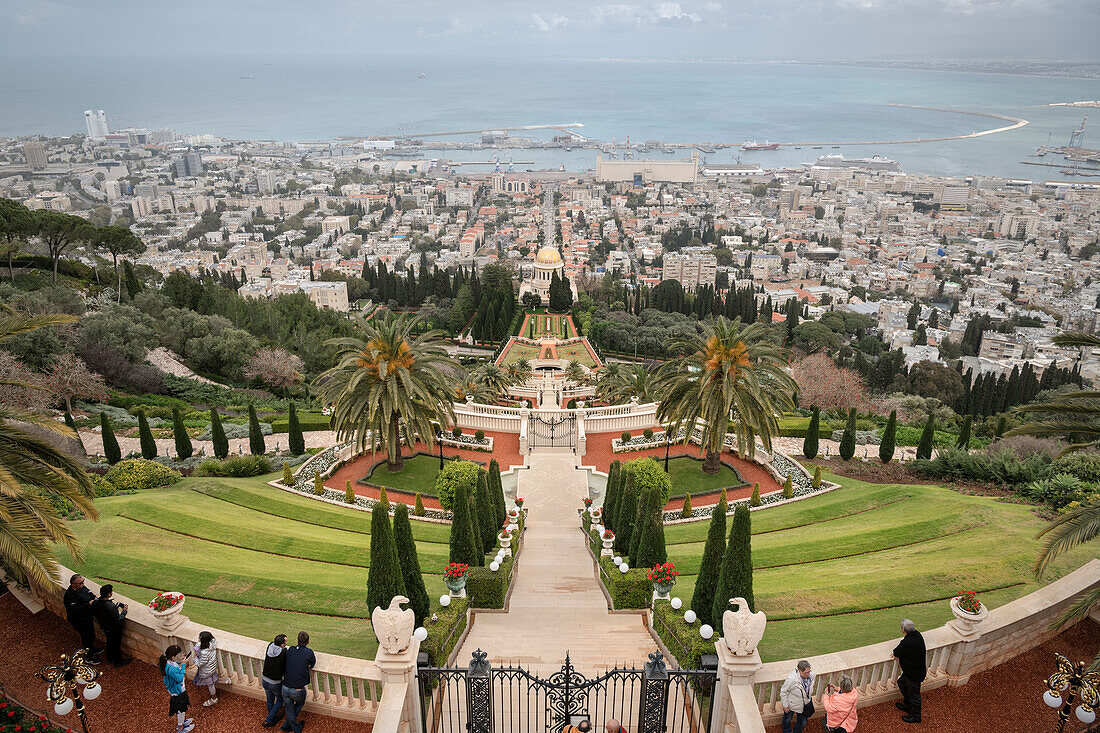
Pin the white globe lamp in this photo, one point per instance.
(421, 633)
(444, 600)
(92, 691)
(624, 568)
(689, 616)
(1088, 717)
(676, 604)
(1052, 700)
(706, 631)
(64, 706)
(494, 566)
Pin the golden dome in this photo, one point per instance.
(548, 256)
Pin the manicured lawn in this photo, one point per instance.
(576, 352)
(688, 477)
(418, 475)
(841, 570)
(251, 559)
(519, 352)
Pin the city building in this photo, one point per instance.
(641, 172)
(691, 270)
(96, 123)
(35, 153)
(187, 165)
(265, 182)
(509, 184)
(547, 262)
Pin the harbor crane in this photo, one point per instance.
(1077, 135)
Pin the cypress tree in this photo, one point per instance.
(651, 548)
(288, 475)
(889, 438)
(475, 528)
(685, 513)
(184, 449)
(754, 500)
(148, 445)
(217, 434)
(496, 491)
(255, 436)
(964, 434)
(924, 448)
(848, 439)
(816, 482)
(627, 507)
(611, 495)
(349, 493)
(418, 509)
(385, 577)
(788, 488)
(641, 518)
(741, 569)
(318, 485)
(810, 442)
(384, 498)
(485, 511)
(296, 442)
(462, 528)
(1002, 425)
(702, 599)
(111, 451)
(410, 564)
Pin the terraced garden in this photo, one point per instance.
(576, 352)
(519, 352)
(842, 569)
(251, 559)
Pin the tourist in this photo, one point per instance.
(206, 662)
(910, 653)
(111, 617)
(78, 610)
(612, 726)
(272, 679)
(172, 665)
(796, 697)
(840, 706)
(582, 727)
(300, 660)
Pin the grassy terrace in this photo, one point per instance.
(688, 477)
(842, 569)
(251, 559)
(418, 475)
(519, 352)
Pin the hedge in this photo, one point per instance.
(307, 420)
(627, 590)
(235, 466)
(681, 638)
(138, 474)
(444, 633)
(487, 589)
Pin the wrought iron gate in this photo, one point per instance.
(481, 698)
(553, 432)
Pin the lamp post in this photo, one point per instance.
(439, 438)
(63, 679)
(1072, 679)
(668, 442)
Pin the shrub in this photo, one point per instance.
(1023, 446)
(788, 488)
(288, 475)
(307, 422)
(813, 432)
(682, 639)
(1061, 490)
(625, 437)
(111, 451)
(1085, 466)
(479, 435)
(627, 590)
(453, 475)
(418, 509)
(755, 500)
(318, 485)
(487, 589)
(1000, 467)
(648, 433)
(456, 432)
(145, 437)
(445, 632)
(648, 472)
(235, 467)
(685, 513)
(349, 494)
(122, 373)
(138, 474)
(816, 482)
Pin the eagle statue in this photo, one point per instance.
(742, 629)
(394, 625)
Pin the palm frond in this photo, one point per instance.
(1067, 532)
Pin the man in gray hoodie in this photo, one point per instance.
(272, 679)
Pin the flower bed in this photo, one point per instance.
(468, 442)
(638, 442)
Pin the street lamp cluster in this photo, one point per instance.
(1072, 679)
(63, 679)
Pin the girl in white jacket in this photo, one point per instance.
(206, 660)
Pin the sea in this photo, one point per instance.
(286, 98)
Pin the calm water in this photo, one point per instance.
(311, 99)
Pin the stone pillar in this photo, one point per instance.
(524, 421)
(399, 669)
(398, 648)
(736, 709)
(958, 663)
(582, 439)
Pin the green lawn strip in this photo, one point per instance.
(418, 475)
(688, 478)
(347, 637)
(520, 352)
(301, 509)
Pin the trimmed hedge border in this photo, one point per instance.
(681, 638)
(452, 620)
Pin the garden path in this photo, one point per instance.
(556, 604)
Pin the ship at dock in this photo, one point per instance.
(874, 163)
(753, 145)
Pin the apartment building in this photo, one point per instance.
(692, 270)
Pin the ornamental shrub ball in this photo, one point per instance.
(448, 480)
(288, 475)
(964, 434)
(755, 499)
(318, 485)
(889, 438)
(788, 488)
(385, 577)
(685, 513)
(702, 599)
(111, 451)
(479, 435)
(217, 434)
(736, 566)
(255, 436)
(296, 442)
(648, 433)
(145, 435)
(924, 447)
(496, 491)
(486, 513)
(810, 442)
(816, 482)
(626, 508)
(848, 439)
(418, 509)
(410, 564)
(462, 528)
(184, 449)
(138, 474)
(349, 495)
(648, 472)
(383, 499)
(456, 432)
(625, 437)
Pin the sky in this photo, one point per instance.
(743, 29)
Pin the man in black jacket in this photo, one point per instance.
(271, 679)
(911, 656)
(111, 617)
(78, 610)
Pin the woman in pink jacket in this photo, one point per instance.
(840, 706)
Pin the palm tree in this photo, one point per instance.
(389, 380)
(728, 373)
(619, 384)
(519, 371)
(575, 373)
(471, 387)
(34, 475)
(493, 378)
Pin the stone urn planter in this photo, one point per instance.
(608, 544)
(454, 577)
(965, 622)
(169, 618)
(505, 543)
(596, 513)
(661, 590)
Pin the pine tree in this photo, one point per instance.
(462, 528)
(410, 564)
(810, 442)
(924, 448)
(255, 436)
(964, 433)
(111, 451)
(627, 507)
(296, 443)
(889, 438)
(702, 600)
(184, 449)
(318, 485)
(145, 435)
(485, 511)
(651, 549)
(848, 439)
(496, 491)
(217, 434)
(418, 509)
(349, 493)
(816, 482)
(385, 577)
(736, 577)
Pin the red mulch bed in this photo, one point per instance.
(599, 454)
(505, 450)
(134, 699)
(1005, 698)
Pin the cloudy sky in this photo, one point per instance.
(744, 29)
